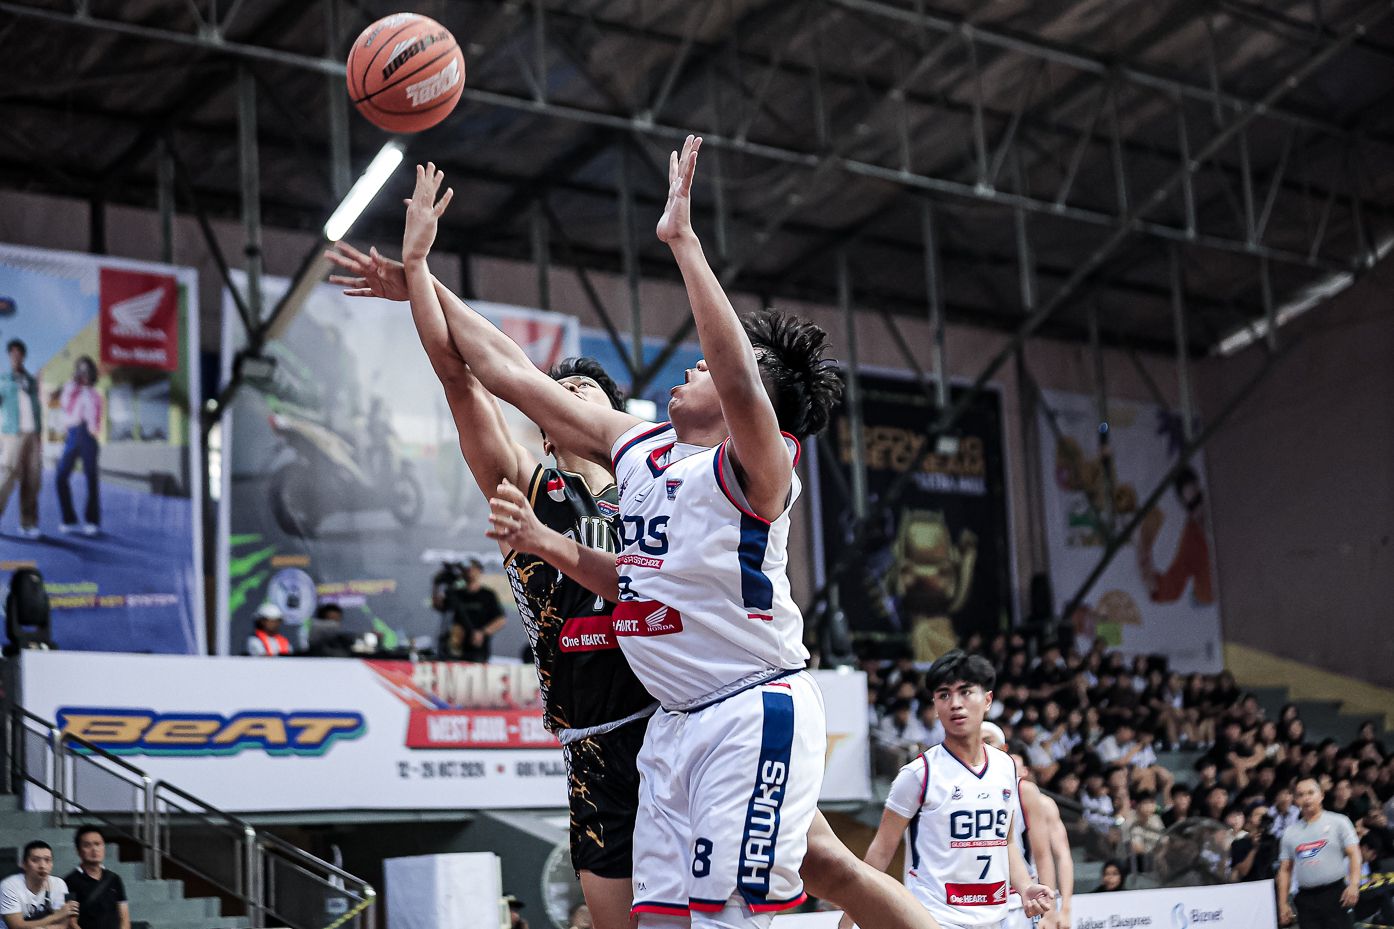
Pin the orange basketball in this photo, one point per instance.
(405, 73)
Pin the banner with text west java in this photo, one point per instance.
(1158, 595)
(280, 733)
(343, 478)
(95, 433)
(937, 564)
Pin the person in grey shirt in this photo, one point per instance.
(1322, 849)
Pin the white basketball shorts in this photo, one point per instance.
(726, 796)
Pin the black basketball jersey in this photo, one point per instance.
(583, 675)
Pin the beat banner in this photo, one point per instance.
(99, 461)
(937, 563)
(1158, 595)
(343, 480)
(251, 734)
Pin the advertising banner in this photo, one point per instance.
(99, 460)
(1223, 906)
(1158, 596)
(344, 481)
(251, 734)
(938, 565)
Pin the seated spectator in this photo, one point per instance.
(266, 640)
(1342, 799)
(1124, 746)
(1180, 808)
(1111, 879)
(1143, 825)
(902, 729)
(929, 722)
(1036, 754)
(1098, 805)
(100, 893)
(1215, 803)
(34, 897)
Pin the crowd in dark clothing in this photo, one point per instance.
(1090, 727)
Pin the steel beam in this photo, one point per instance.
(1183, 354)
(629, 257)
(917, 181)
(854, 391)
(164, 200)
(934, 289)
(948, 418)
(250, 173)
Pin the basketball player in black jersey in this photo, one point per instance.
(603, 777)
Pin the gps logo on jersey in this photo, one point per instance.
(992, 894)
(646, 617)
(977, 828)
(761, 836)
(146, 732)
(1310, 849)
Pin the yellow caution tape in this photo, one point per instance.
(362, 905)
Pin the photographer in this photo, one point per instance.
(458, 593)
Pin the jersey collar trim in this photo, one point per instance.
(977, 774)
(646, 434)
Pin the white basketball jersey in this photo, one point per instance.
(704, 603)
(960, 826)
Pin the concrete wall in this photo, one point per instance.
(1302, 489)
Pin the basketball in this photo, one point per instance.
(405, 73)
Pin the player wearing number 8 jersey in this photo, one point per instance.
(957, 802)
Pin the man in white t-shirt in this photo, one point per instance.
(35, 898)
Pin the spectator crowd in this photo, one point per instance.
(1091, 727)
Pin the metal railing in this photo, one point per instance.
(181, 836)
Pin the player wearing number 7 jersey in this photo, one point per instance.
(957, 801)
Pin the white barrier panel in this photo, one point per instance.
(321, 733)
(1224, 906)
(434, 891)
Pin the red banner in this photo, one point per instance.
(139, 319)
(478, 729)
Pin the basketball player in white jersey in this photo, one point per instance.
(958, 801)
(732, 762)
(1041, 836)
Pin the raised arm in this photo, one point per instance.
(485, 440)
(496, 360)
(762, 459)
(514, 525)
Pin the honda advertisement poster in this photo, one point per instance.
(935, 564)
(343, 480)
(252, 734)
(99, 460)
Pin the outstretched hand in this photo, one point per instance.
(512, 521)
(370, 275)
(676, 221)
(423, 210)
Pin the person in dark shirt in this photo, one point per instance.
(477, 608)
(1180, 808)
(100, 895)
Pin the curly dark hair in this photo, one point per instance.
(589, 367)
(803, 385)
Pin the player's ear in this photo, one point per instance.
(547, 447)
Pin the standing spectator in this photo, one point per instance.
(475, 607)
(21, 444)
(325, 636)
(515, 914)
(34, 898)
(100, 894)
(81, 406)
(266, 640)
(1321, 848)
